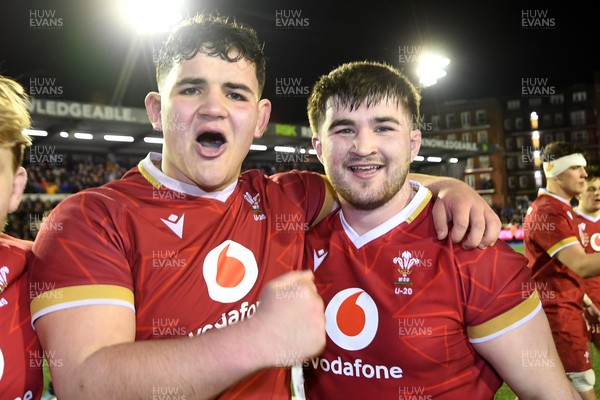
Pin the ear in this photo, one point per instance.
(153, 108)
(415, 143)
(18, 187)
(316, 142)
(264, 114)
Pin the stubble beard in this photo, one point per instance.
(368, 196)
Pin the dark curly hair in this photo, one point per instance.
(213, 36)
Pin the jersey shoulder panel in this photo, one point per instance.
(551, 225)
(309, 190)
(498, 290)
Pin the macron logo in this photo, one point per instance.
(318, 258)
(175, 224)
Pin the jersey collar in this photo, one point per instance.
(586, 216)
(545, 192)
(157, 178)
(408, 214)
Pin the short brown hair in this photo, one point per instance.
(556, 150)
(14, 118)
(362, 83)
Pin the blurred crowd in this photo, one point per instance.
(25, 222)
(75, 172)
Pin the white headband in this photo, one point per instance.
(558, 166)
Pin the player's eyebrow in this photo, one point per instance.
(190, 81)
(202, 81)
(379, 120)
(373, 121)
(341, 122)
(238, 86)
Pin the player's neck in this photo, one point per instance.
(362, 221)
(559, 191)
(589, 212)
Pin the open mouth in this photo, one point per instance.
(211, 140)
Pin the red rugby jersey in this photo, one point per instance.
(590, 226)
(186, 261)
(402, 309)
(21, 358)
(551, 225)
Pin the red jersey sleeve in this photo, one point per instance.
(310, 191)
(92, 268)
(498, 291)
(551, 229)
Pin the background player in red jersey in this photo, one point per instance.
(553, 246)
(184, 244)
(20, 355)
(408, 315)
(588, 210)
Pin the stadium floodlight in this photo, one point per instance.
(35, 132)
(533, 117)
(285, 149)
(419, 158)
(83, 136)
(312, 151)
(64, 134)
(453, 160)
(118, 138)
(258, 147)
(431, 68)
(434, 159)
(152, 16)
(154, 140)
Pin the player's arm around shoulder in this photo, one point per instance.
(474, 222)
(311, 191)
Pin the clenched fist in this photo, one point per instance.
(291, 315)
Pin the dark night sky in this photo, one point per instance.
(490, 50)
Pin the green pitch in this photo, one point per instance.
(518, 247)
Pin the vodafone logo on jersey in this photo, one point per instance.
(595, 241)
(351, 319)
(230, 271)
